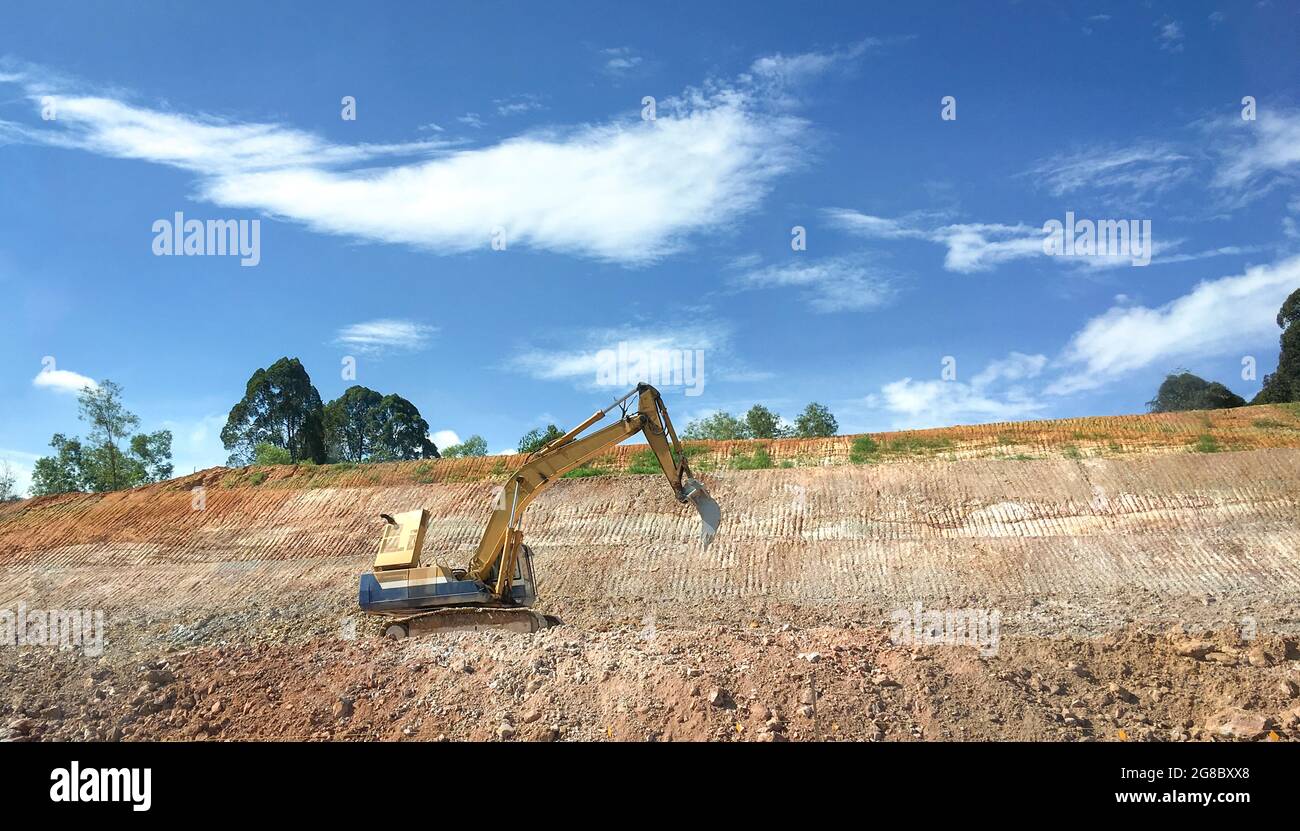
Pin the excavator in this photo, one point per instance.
(496, 588)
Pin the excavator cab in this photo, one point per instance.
(400, 585)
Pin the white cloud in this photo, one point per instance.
(620, 61)
(442, 439)
(386, 334)
(518, 104)
(974, 247)
(1215, 318)
(1253, 153)
(980, 246)
(1242, 160)
(789, 70)
(1135, 172)
(626, 190)
(625, 193)
(197, 143)
(831, 285)
(1170, 36)
(63, 380)
(581, 355)
(1017, 366)
(471, 120)
(971, 246)
(991, 395)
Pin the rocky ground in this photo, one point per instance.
(756, 679)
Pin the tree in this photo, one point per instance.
(721, 426)
(363, 426)
(537, 438)
(7, 481)
(1182, 390)
(762, 423)
(100, 463)
(280, 407)
(151, 456)
(815, 421)
(401, 433)
(60, 473)
(472, 446)
(110, 422)
(350, 424)
(1283, 385)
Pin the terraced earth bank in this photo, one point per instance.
(1124, 589)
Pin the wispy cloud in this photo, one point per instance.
(994, 394)
(63, 380)
(836, 284)
(971, 246)
(519, 104)
(1215, 318)
(1136, 171)
(1169, 34)
(980, 246)
(385, 335)
(621, 61)
(201, 144)
(625, 191)
(577, 357)
(1239, 160)
(471, 120)
(1256, 155)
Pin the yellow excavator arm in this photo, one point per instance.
(502, 538)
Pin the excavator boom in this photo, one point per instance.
(500, 574)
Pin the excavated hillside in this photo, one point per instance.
(1141, 576)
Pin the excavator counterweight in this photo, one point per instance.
(496, 587)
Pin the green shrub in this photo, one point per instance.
(584, 471)
(644, 462)
(917, 444)
(1268, 424)
(269, 454)
(758, 460)
(1206, 444)
(863, 449)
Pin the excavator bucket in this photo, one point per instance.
(710, 513)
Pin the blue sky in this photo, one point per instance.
(924, 234)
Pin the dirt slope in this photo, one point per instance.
(228, 603)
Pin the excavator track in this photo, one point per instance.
(472, 619)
